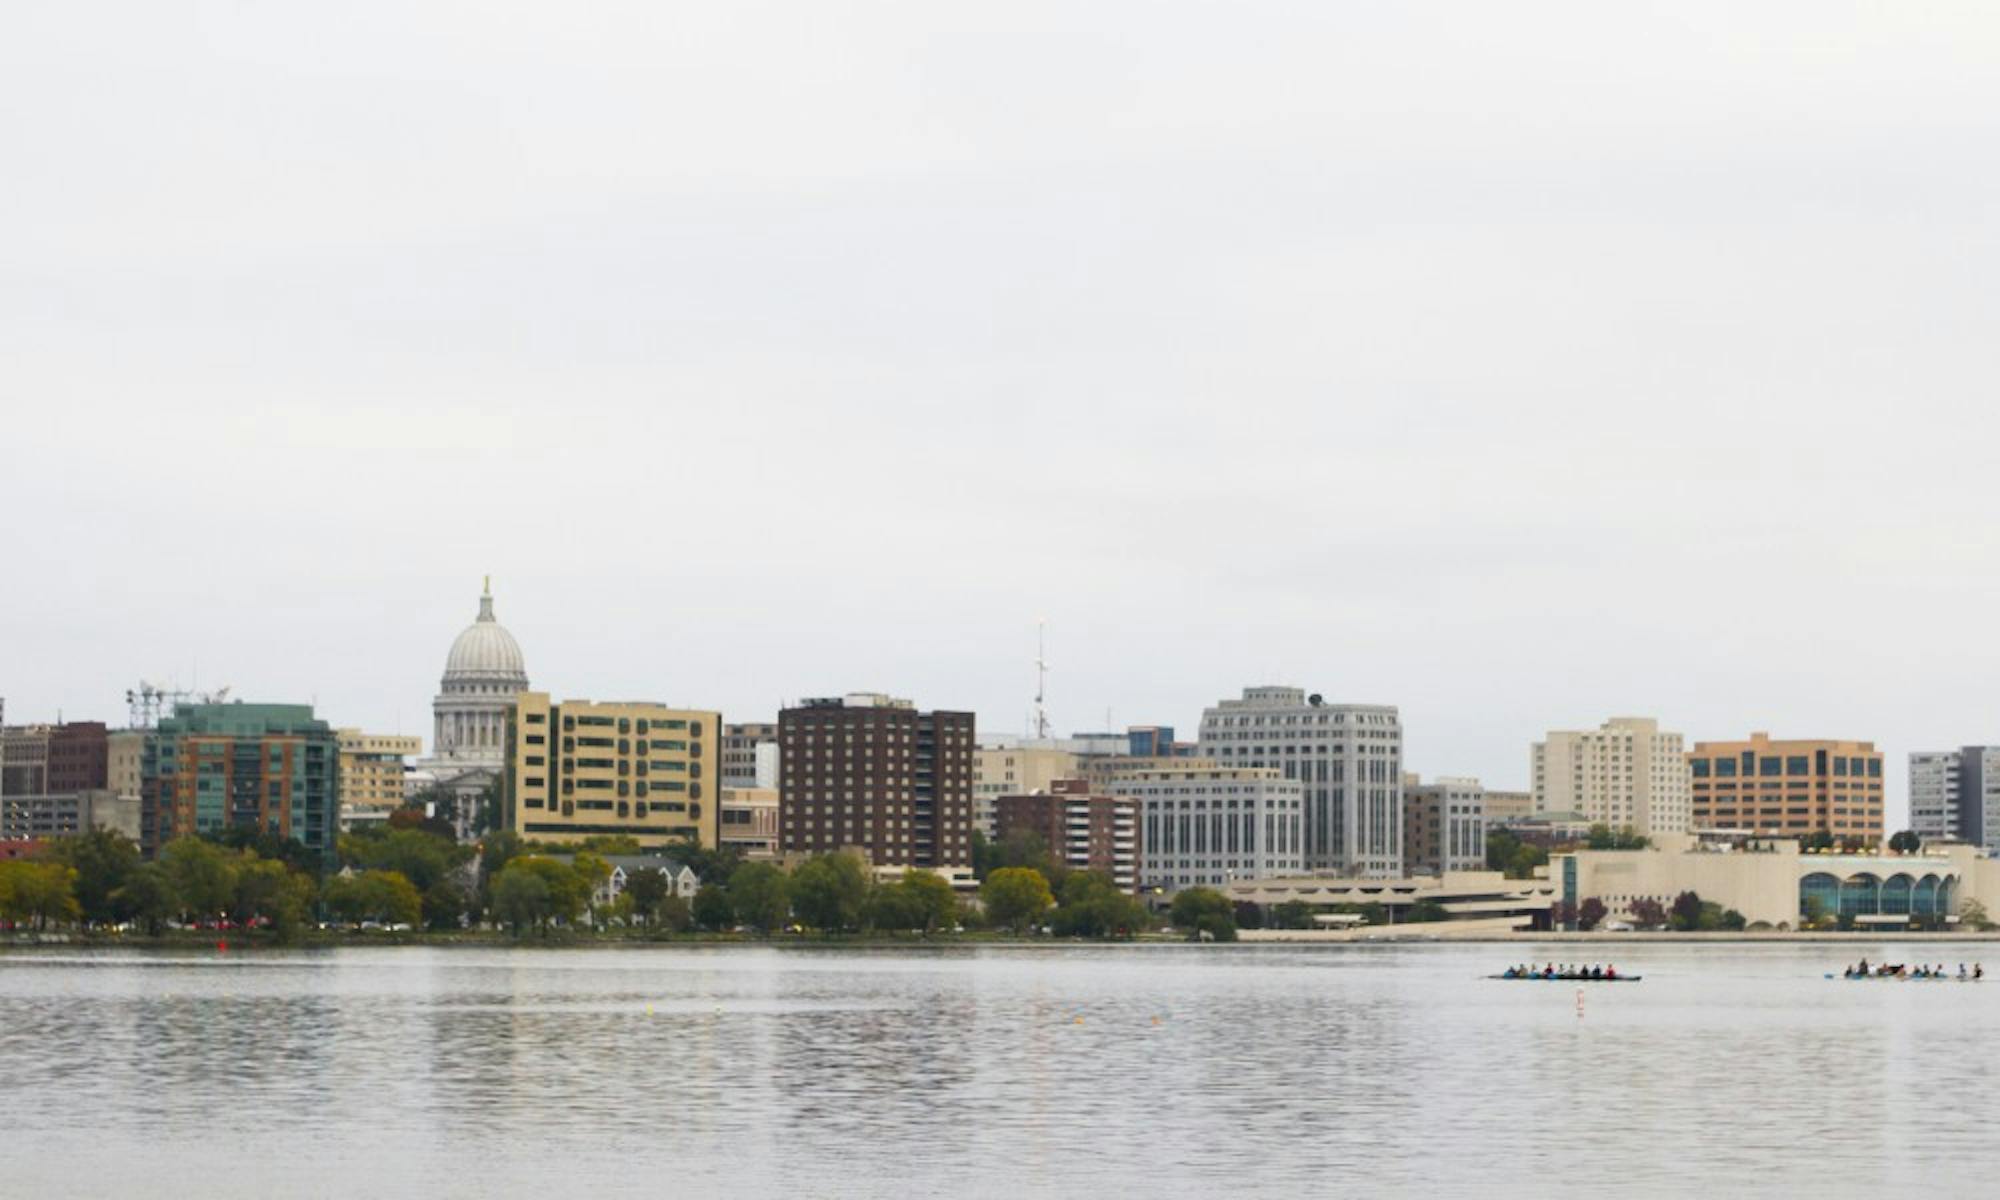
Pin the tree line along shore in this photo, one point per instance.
(409, 879)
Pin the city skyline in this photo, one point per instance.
(1439, 762)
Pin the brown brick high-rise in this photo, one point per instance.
(873, 774)
(79, 756)
(1083, 831)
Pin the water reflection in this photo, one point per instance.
(1164, 1071)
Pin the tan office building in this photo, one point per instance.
(1626, 774)
(1013, 771)
(750, 821)
(1509, 806)
(372, 767)
(1788, 787)
(578, 769)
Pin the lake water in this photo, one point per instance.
(1150, 1071)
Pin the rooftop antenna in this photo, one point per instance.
(1041, 679)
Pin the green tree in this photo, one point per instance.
(893, 907)
(269, 891)
(674, 913)
(1093, 906)
(648, 890)
(39, 891)
(1906, 842)
(1972, 915)
(344, 899)
(760, 896)
(1507, 853)
(1019, 848)
(250, 841)
(1686, 912)
(384, 896)
(147, 897)
(103, 861)
(417, 855)
(498, 849)
(394, 898)
(203, 875)
(568, 889)
(1016, 897)
(828, 890)
(711, 909)
(1292, 914)
(520, 899)
(444, 903)
(935, 898)
(1200, 910)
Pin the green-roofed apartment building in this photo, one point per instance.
(273, 767)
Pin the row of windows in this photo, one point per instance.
(642, 726)
(622, 787)
(639, 810)
(1322, 717)
(1818, 763)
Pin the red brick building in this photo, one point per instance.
(872, 774)
(1084, 831)
(79, 757)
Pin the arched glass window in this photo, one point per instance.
(1859, 896)
(1923, 898)
(1896, 894)
(1823, 888)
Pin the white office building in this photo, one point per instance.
(1349, 759)
(1205, 824)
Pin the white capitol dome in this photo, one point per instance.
(482, 675)
(485, 652)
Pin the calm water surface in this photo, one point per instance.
(1149, 1071)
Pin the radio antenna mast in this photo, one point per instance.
(1041, 679)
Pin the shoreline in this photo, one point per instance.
(1248, 939)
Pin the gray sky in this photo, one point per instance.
(1516, 364)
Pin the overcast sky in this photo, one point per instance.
(1519, 365)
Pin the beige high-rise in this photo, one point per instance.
(372, 767)
(1626, 774)
(579, 769)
